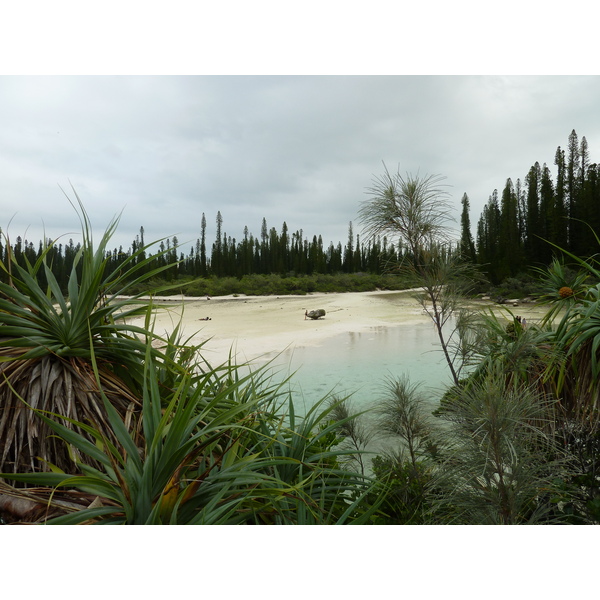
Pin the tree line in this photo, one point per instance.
(274, 252)
(521, 226)
(518, 228)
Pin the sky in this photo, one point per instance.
(162, 150)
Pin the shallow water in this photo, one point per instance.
(359, 364)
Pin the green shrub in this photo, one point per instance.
(405, 491)
(522, 285)
(276, 284)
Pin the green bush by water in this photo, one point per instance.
(275, 284)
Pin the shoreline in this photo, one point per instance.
(248, 327)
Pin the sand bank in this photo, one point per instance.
(250, 326)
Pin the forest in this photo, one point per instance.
(522, 226)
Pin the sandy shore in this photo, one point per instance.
(251, 326)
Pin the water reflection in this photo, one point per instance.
(359, 363)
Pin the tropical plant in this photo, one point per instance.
(415, 208)
(446, 280)
(522, 352)
(417, 211)
(520, 438)
(406, 469)
(578, 335)
(577, 495)
(575, 297)
(353, 430)
(401, 413)
(561, 287)
(501, 463)
(217, 450)
(555, 365)
(405, 489)
(47, 340)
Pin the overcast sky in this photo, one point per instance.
(299, 149)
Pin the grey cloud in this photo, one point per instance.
(296, 149)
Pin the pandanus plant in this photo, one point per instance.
(48, 338)
(575, 299)
(106, 422)
(215, 450)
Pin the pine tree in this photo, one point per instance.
(467, 247)
(510, 251)
(203, 263)
(546, 217)
(264, 247)
(275, 263)
(573, 185)
(488, 238)
(321, 264)
(217, 249)
(560, 225)
(284, 250)
(532, 220)
(587, 201)
(349, 250)
(593, 203)
(246, 252)
(357, 265)
(521, 213)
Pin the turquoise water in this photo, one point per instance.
(358, 364)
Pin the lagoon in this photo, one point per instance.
(357, 364)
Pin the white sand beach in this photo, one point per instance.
(250, 326)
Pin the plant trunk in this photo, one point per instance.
(439, 328)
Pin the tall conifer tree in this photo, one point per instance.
(546, 216)
(560, 223)
(510, 249)
(573, 168)
(203, 263)
(349, 250)
(467, 247)
(532, 221)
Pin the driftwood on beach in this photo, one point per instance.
(314, 314)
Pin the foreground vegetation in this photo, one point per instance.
(103, 422)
